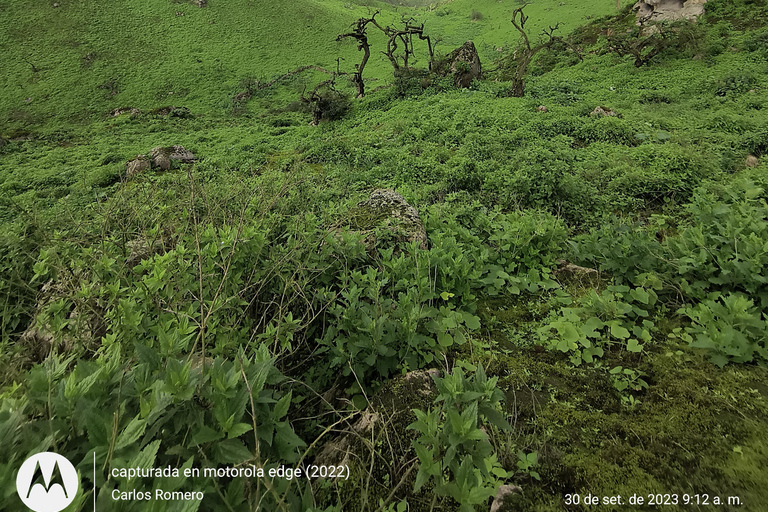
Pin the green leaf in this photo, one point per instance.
(239, 429)
(146, 457)
(131, 433)
(422, 477)
(617, 331)
(205, 435)
(282, 405)
(231, 451)
(471, 321)
(634, 346)
(640, 295)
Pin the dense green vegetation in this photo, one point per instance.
(249, 308)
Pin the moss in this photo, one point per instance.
(364, 219)
(696, 430)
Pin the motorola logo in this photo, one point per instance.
(47, 482)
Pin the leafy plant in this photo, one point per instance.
(730, 328)
(453, 448)
(617, 316)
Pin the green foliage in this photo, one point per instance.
(526, 462)
(124, 412)
(723, 249)
(616, 317)
(453, 448)
(730, 328)
(627, 379)
(734, 84)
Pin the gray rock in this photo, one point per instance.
(200, 3)
(137, 166)
(84, 325)
(752, 161)
(542, 108)
(569, 273)
(182, 155)
(141, 249)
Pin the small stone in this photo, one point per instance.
(501, 503)
(603, 112)
(56, 5)
(752, 161)
(542, 108)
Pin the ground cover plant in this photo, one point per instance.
(548, 284)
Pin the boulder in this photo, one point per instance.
(752, 161)
(463, 63)
(137, 166)
(542, 108)
(386, 209)
(161, 157)
(668, 10)
(182, 155)
(200, 3)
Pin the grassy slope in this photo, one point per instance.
(154, 56)
(60, 62)
(587, 441)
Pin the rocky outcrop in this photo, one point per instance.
(669, 10)
(463, 63)
(387, 210)
(569, 273)
(140, 249)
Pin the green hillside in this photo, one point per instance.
(583, 268)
